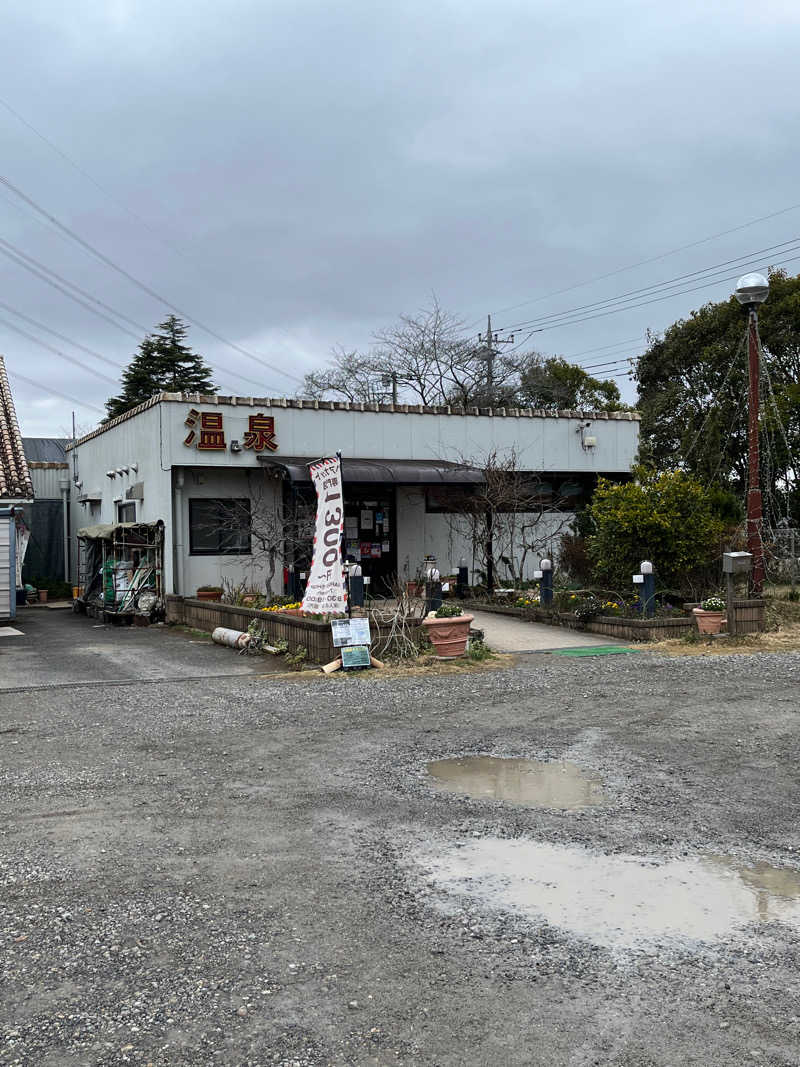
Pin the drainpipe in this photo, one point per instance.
(177, 580)
(64, 486)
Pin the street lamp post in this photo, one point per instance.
(752, 290)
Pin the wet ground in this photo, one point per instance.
(262, 870)
(58, 648)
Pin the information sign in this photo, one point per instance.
(355, 656)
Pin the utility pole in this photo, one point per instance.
(752, 290)
(754, 499)
(386, 379)
(490, 340)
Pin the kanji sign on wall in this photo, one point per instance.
(206, 429)
(207, 432)
(260, 433)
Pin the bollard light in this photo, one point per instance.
(646, 567)
(546, 564)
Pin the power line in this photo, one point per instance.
(663, 285)
(139, 284)
(76, 166)
(20, 258)
(60, 336)
(645, 262)
(58, 352)
(603, 348)
(644, 303)
(51, 392)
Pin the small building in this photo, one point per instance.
(228, 477)
(16, 489)
(47, 515)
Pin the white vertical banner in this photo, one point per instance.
(325, 592)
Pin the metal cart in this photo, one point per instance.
(121, 572)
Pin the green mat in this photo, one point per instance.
(594, 650)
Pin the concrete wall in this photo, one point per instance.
(153, 440)
(447, 537)
(133, 441)
(263, 493)
(542, 443)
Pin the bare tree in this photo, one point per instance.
(507, 517)
(432, 361)
(278, 531)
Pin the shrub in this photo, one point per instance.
(449, 611)
(666, 518)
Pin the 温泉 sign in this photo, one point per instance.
(325, 592)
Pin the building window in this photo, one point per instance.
(219, 527)
(126, 512)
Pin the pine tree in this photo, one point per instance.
(164, 363)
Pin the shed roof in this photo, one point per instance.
(15, 478)
(45, 449)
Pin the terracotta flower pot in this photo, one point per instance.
(208, 594)
(709, 622)
(42, 596)
(449, 636)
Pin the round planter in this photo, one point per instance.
(449, 636)
(208, 594)
(42, 596)
(708, 622)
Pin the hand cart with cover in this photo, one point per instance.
(121, 571)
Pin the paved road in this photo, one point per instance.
(59, 648)
(504, 633)
(241, 871)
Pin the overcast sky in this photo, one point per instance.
(296, 175)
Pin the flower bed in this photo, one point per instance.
(297, 630)
(624, 628)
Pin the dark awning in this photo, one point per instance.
(382, 471)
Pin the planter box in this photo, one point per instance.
(297, 630)
(626, 629)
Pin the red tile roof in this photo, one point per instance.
(15, 478)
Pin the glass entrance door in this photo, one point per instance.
(371, 534)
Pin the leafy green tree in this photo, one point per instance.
(667, 518)
(553, 384)
(693, 395)
(164, 363)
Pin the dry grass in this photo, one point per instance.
(787, 639)
(423, 666)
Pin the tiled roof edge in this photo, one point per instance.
(298, 403)
(15, 477)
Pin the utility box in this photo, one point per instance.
(736, 562)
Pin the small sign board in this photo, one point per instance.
(355, 656)
(638, 579)
(340, 628)
(350, 632)
(537, 574)
(359, 632)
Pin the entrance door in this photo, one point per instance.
(371, 534)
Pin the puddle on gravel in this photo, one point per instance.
(618, 901)
(527, 783)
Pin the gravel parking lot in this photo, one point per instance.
(243, 870)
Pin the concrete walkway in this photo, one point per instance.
(504, 633)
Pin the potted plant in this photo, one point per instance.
(448, 629)
(710, 615)
(209, 592)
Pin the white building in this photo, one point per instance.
(16, 489)
(192, 460)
